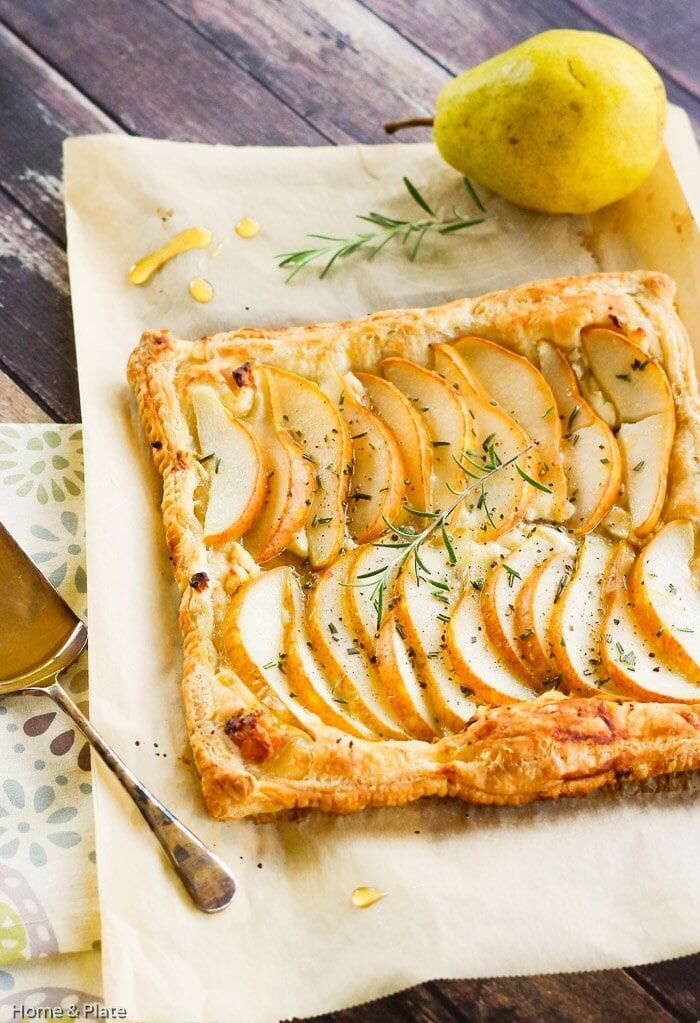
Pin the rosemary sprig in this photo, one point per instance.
(410, 233)
(407, 541)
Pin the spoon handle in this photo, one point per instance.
(209, 882)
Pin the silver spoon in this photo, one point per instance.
(39, 638)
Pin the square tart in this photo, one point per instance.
(499, 673)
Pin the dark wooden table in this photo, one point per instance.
(297, 72)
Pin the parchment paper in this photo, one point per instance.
(568, 886)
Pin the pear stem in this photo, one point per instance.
(391, 127)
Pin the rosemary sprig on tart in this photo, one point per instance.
(408, 542)
(410, 233)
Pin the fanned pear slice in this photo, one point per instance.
(519, 388)
(290, 479)
(253, 636)
(401, 682)
(502, 586)
(476, 659)
(632, 661)
(316, 425)
(592, 456)
(641, 394)
(237, 467)
(507, 494)
(362, 576)
(411, 434)
(534, 606)
(646, 450)
(666, 595)
(635, 383)
(377, 485)
(309, 682)
(577, 620)
(338, 649)
(447, 420)
(423, 610)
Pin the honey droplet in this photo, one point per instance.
(364, 897)
(191, 238)
(247, 228)
(201, 290)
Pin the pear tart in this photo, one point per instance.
(443, 551)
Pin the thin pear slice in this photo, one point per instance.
(502, 586)
(635, 383)
(646, 450)
(362, 576)
(592, 457)
(377, 486)
(290, 479)
(507, 495)
(577, 620)
(476, 659)
(523, 392)
(641, 394)
(447, 420)
(411, 434)
(237, 468)
(310, 684)
(253, 637)
(337, 647)
(401, 682)
(666, 595)
(633, 663)
(534, 606)
(423, 611)
(316, 425)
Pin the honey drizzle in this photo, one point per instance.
(190, 238)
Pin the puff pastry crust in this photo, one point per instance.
(255, 761)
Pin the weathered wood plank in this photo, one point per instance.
(461, 35)
(343, 69)
(417, 1005)
(144, 65)
(39, 109)
(18, 407)
(675, 983)
(558, 998)
(37, 342)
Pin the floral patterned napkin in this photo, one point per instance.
(48, 893)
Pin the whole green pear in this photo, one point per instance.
(565, 122)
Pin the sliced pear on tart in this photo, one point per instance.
(410, 433)
(290, 479)
(447, 420)
(633, 662)
(508, 494)
(592, 457)
(363, 610)
(316, 425)
(337, 647)
(666, 595)
(377, 485)
(519, 388)
(641, 395)
(646, 451)
(502, 586)
(476, 659)
(400, 680)
(422, 609)
(237, 467)
(253, 636)
(309, 682)
(534, 606)
(577, 620)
